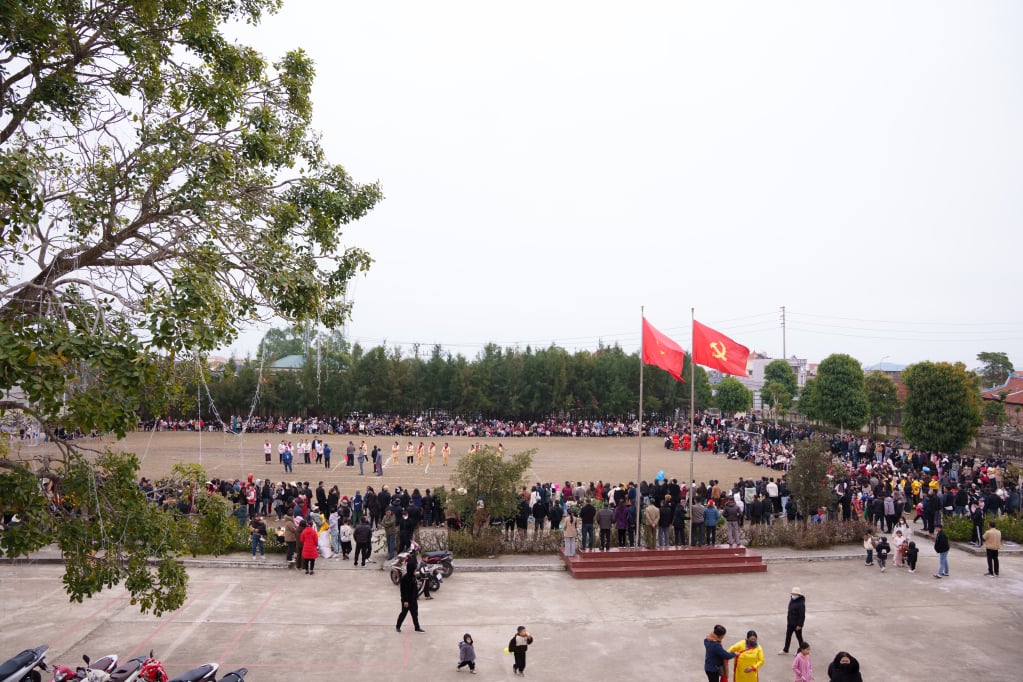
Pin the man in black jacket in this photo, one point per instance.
(409, 599)
(796, 618)
(941, 547)
(363, 540)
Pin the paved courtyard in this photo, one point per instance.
(339, 623)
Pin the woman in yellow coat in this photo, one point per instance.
(749, 660)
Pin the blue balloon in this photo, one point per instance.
(660, 475)
(927, 469)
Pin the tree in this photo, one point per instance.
(776, 395)
(840, 396)
(733, 397)
(485, 476)
(808, 479)
(883, 398)
(994, 413)
(996, 368)
(942, 411)
(160, 187)
(780, 371)
(807, 405)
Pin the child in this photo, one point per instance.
(344, 536)
(883, 549)
(911, 555)
(518, 645)
(466, 654)
(801, 666)
(868, 544)
(899, 545)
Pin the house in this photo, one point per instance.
(1011, 395)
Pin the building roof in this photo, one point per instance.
(1012, 389)
(885, 367)
(289, 362)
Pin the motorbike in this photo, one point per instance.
(204, 673)
(442, 558)
(129, 670)
(425, 573)
(235, 675)
(22, 668)
(91, 672)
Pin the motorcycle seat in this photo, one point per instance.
(196, 674)
(235, 675)
(16, 663)
(439, 553)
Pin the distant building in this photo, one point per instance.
(893, 370)
(1009, 394)
(289, 363)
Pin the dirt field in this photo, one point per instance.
(556, 459)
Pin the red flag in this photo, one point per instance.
(660, 351)
(713, 349)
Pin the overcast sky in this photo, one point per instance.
(549, 167)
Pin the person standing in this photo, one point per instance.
(992, 543)
(350, 454)
(710, 523)
(749, 658)
(410, 453)
(430, 453)
(731, 513)
(308, 538)
(286, 458)
(390, 526)
(409, 599)
(571, 533)
(518, 646)
(795, 619)
(605, 519)
(257, 528)
(445, 453)
(696, 522)
(587, 515)
(716, 657)
(362, 458)
(395, 449)
(326, 456)
(802, 667)
(267, 450)
(941, 546)
(290, 537)
(363, 540)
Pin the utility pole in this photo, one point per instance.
(784, 352)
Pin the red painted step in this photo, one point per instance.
(629, 563)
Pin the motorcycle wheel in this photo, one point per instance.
(32, 676)
(395, 576)
(434, 584)
(446, 568)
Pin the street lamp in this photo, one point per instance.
(880, 365)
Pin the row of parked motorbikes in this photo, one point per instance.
(430, 567)
(26, 667)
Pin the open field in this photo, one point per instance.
(556, 459)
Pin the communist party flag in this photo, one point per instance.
(713, 349)
(660, 351)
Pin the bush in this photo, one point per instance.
(805, 536)
(491, 542)
(960, 528)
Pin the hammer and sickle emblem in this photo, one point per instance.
(718, 350)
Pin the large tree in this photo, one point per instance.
(883, 398)
(840, 397)
(486, 476)
(996, 368)
(942, 410)
(732, 396)
(780, 371)
(808, 478)
(160, 187)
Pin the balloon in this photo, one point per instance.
(660, 475)
(927, 469)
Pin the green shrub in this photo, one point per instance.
(958, 528)
(491, 542)
(805, 536)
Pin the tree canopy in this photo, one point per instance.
(732, 396)
(487, 477)
(839, 396)
(942, 411)
(995, 370)
(883, 398)
(160, 187)
(808, 479)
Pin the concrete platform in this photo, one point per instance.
(339, 623)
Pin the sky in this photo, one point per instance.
(555, 170)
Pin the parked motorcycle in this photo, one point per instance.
(22, 668)
(431, 573)
(129, 670)
(441, 557)
(204, 673)
(90, 672)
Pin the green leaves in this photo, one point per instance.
(839, 397)
(732, 396)
(942, 410)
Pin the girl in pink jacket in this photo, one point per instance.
(802, 666)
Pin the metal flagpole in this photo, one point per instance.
(692, 418)
(639, 459)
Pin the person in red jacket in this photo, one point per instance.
(308, 538)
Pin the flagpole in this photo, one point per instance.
(639, 458)
(692, 416)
